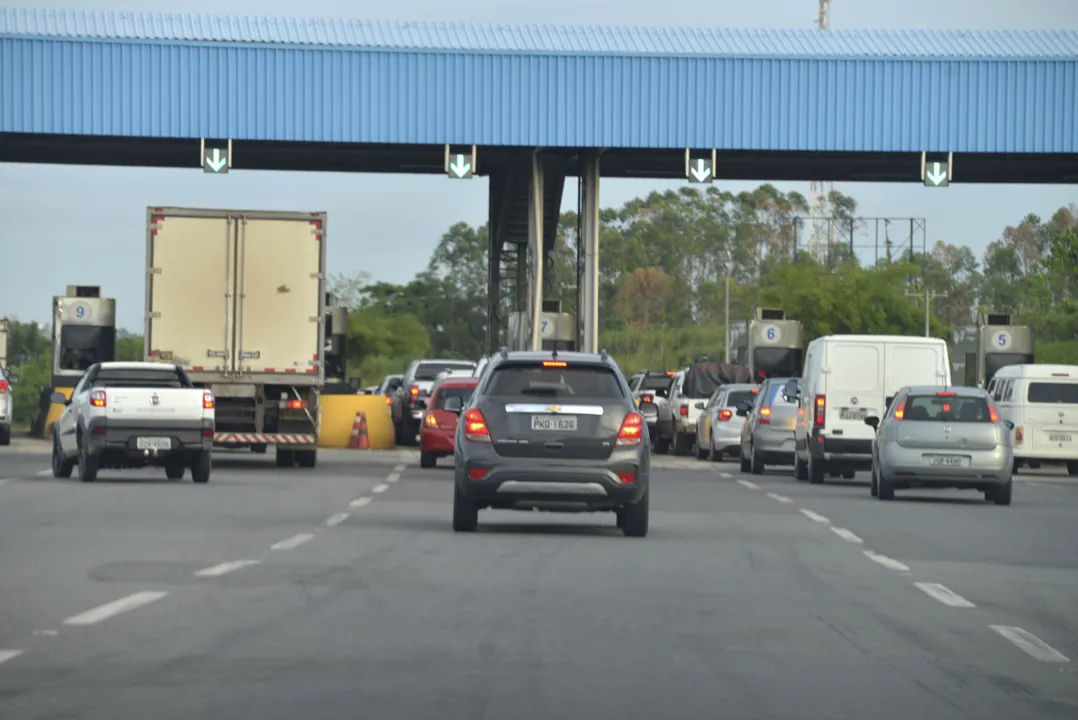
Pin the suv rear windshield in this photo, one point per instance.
(536, 381)
(1053, 393)
(429, 371)
(740, 396)
(933, 408)
(140, 378)
(443, 394)
(655, 382)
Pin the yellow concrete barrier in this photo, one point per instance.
(339, 411)
(56, 410)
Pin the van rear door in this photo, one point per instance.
(854, 388)
(1051, 417)
(913, 364)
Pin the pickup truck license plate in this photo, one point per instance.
(949, 460)
(154, 443)
(1059, 438)
(852, 413)
(545, 423)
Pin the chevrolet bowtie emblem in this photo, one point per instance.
(554, 408)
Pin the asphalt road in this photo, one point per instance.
(343, 593)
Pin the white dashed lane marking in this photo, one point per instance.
(725, 475)
(944, 594)
(886, 561)
(104, 612)
(43, 473)
(337, 519)
(1030, 644)
(360, 502)
(380, 488)
(225, 568)
(780, 498)
(6, 655)
(749, 484)
(293, 542)
(393, 477)
(815, 517)
(846, 535)
(399, 468)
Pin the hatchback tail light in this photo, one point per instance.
(900, 411)
(993, 414)
(684, 410)
(819, 418)
(475, 426)
(97, 398)
(765, 416)
(632, 430)
(725, 415)
(430, 421)
(3, 386)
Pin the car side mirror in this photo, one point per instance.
(421, 404)
(454, 405)
(873, 422)
(742, 409)
(699, 406)
(1009, 424)
(58, 398)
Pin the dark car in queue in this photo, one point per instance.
(438, 427)
(551, 431)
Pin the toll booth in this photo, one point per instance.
(769, 344)
(981, 350)
(557, 330)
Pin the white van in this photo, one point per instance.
(1042, 402)
(848, 378)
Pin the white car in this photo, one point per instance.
(134, 415)
(7, 408)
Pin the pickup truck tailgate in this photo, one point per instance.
(163, 404)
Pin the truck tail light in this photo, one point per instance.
(475, 426)
(819, 417)
(97, 398)
(296, 404)
(208, 403)
(684, 410)
(631, 431)
(725, 415)
(765, 416)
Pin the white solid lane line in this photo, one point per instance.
(846, 535)
(780, 498)
(337, 519)
(380, 488)
(104, 612)
(815, 517)
(6, 655)
(393, 477)
(944, 594)
(360, 502)
(225, 568)
(1031, 644)
(750, 485)
(886, 561)
(293, 542)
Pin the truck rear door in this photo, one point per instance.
(280, 294)
(189, 283)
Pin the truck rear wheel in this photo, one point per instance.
(306, 458)
(200, 467)
(285, 458)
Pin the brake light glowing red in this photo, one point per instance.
(414, 391)
(3, 386)
(555, 363)
(900, 411)
(756, 391)
(98, 398)
(631, 431)
(646, 399)
(819, 418)
(430, 421)
(946, 394)
(477, 473)
(993, 414)
(627, 478)
(296, 404)
(725, 415)
(684, 410)
(208, 403)
(765, 416)
(475, 426)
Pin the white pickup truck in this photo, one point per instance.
(134, 415)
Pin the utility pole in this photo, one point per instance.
(928, 297)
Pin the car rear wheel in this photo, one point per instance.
(5, 434)
(465, 512)
(61, 466)
(756, 463)
(635, 522)
(746, 463)
(801, 469)
(714, 454)
(682, 443)
(88, 465)
(701, 451)
(884, 489)
(1000, 495)
(816, 471)
(875, 484)
(427, 460)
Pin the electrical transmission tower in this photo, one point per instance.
(821, 230)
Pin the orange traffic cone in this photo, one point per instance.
(359, 439)
(353, 441)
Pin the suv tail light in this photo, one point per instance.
(3, 386)
(819, 417)
(475, 426)
(97, 398)
(632, 430)
(684, 410)
(725, 415)
(765, 416)
(413, 394)
(208, 403)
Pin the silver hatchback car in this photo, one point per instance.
(936, 437)
(768, 435)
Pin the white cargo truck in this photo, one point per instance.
(237, 298)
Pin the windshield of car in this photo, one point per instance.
(1053, 393)
(155, 378)
(443, 394)
(531, 380)
(429, 371)
(933, 408)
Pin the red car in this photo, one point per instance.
(438, 428)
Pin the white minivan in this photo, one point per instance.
(1042, 402)
(846, 379)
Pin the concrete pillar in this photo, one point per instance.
(536, 208)
(495, 242)
(588, 288)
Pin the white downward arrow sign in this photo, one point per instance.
(935, 175)
(460, 168)
(700, 172)
(216, 162)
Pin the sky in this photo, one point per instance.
(85, 225)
